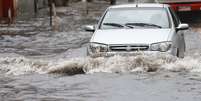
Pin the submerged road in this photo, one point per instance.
(161, 85)
(25, 62)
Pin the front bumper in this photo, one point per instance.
(109, 54)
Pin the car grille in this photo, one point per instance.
(129, 47)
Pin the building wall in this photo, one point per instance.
(25, 8)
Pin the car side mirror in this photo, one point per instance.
(89, 28)
(182, 27)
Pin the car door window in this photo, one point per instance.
(174, 17)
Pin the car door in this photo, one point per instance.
(179, 37)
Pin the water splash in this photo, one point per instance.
(127, 64)
(22, 65)
(121, 64)
(71, 67)
(115, 64)
(188, 64)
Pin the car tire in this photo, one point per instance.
(179, 53)
(87, 52)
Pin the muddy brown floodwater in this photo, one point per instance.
(37, 64)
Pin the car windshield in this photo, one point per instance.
(135, 18)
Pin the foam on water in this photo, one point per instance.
(188, 64)
(22, 65)
(115, 64)
(121, 64)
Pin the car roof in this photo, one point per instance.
(154, 5)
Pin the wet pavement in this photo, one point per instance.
(40, 66)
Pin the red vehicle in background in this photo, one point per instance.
(8, 10)
(183, 5)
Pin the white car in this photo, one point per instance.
(138, 27)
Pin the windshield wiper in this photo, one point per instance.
(143, 24)
(117, 25)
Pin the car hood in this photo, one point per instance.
(131, 36)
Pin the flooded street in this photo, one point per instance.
(37, 64)
(102, 87)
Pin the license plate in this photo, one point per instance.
(184, 8)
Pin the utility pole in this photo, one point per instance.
(9, 17)
(50, 11)
(35, 7)
(85, 2)
(112, 2)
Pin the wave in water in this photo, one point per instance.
(115, 64)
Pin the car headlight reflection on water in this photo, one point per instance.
(161, 46)
(98, 48)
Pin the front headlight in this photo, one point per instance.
(97, 48)
(161, 46)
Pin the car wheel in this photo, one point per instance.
(180, 54)
(87, 52)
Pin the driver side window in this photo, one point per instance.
(175, 18)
